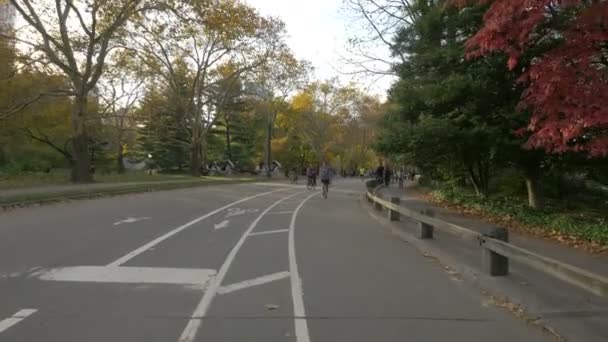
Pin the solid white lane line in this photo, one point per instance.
(253, 282)
(270, 232)
(301, 324)
(194, 323)
(164, 237)
(191, 277)
(280, 212)
(16, 318)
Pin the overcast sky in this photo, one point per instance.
(318, 31)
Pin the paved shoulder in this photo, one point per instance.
(362, 284)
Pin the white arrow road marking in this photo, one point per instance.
(16, 318)
(253, 282)
(164, 237)
(192, 278)
(221, 225)
(131, 220)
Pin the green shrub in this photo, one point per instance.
(580, 224)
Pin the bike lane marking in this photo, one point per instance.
(191, 329)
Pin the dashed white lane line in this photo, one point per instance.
(164, 237)
(16, 318)
(189, 333)
(280, 212)
(266, 232)
(301, 324)
(253, 282)
(129, 220)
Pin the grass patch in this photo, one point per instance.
(582, 220)
(114, 189)
(62, 177)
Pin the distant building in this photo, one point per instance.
(7, 17)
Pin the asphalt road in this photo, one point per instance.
(251, 262)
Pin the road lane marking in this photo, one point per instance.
(192, 278)
(252, 282)
(270, 232)
(280, 212)
(301, 324)
(16, 318)
(164, 237)
(130, 220)
(191, 329)
(284, 185)
(221, 225)
(237, 212)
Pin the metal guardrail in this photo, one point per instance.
(496, 250)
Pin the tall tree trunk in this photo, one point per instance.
(479, 181)
(195, 151)
(120, 166)
(535, 199)
(228, 141)
(268, 146)
(81, 168)
(203, 146)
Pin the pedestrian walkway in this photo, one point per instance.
(594, 263)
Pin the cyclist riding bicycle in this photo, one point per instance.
(311, 174)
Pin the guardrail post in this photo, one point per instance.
(494, 263)
(426, 230)
(392, 214)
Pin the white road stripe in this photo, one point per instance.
(285, 185)
(162, 238)
(270, 232)
(280, 212)
(191, 329)
(301, 324)
(191, 277)
(253, 282)
(16, 318)
(131, 220)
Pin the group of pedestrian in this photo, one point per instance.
(325, 172)
(385, 175)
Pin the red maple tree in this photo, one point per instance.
(566, 82)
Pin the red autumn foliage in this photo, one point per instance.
(567, 85)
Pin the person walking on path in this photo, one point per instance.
(362, 173)
(400, 177)
(380, 174)
(387, 176)
(326, 175)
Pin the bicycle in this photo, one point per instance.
(312, 183)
